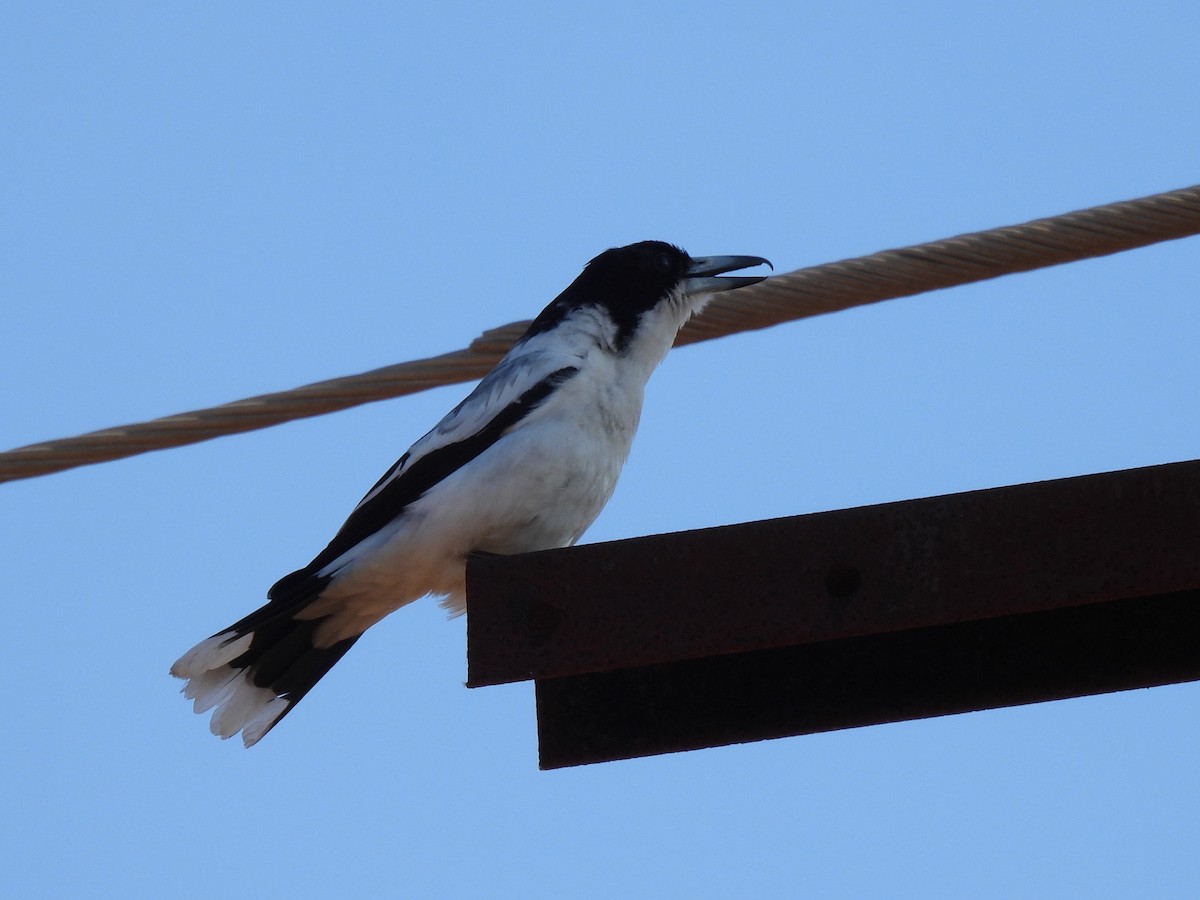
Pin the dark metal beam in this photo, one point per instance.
(875, 614)
(730, 699)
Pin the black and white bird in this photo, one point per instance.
(526, 462)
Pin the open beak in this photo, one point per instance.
(701, 274)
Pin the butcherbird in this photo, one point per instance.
(526, 462)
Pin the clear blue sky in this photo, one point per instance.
(200, 202)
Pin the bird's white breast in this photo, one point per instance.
(538, 487)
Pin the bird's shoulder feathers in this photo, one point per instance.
(509, 393)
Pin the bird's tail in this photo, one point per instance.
(254, 672)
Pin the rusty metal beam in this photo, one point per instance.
(916, 674)
(830, 620)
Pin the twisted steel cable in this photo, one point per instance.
(813, 291)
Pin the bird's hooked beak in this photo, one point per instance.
(701, 274)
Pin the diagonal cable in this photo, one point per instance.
(826, 288)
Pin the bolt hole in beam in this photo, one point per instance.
(843, 582)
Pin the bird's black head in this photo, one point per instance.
(629, 281)
(639, 275)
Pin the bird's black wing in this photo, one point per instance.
(506, 396)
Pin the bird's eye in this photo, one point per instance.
(662, 262)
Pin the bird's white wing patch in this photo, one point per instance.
(511, 378)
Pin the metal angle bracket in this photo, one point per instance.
(852, 617)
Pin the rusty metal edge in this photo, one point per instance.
(835, 575)
(758, 695)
